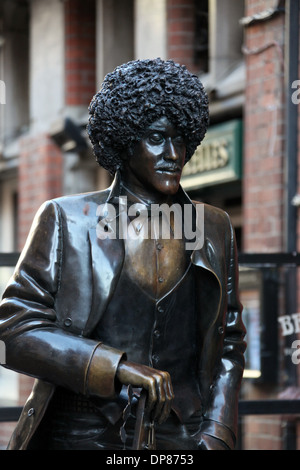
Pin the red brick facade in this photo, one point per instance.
(80, 40)
(264, 136)
(181, 32)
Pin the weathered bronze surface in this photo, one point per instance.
(90, 311)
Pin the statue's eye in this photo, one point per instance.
(156, 138)
(179, 139)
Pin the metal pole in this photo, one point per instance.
(291, 74)
(291, 157)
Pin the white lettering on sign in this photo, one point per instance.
(290, 324)
(207, 157)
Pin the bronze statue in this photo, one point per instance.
(106, 311)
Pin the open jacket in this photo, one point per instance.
(62, 285)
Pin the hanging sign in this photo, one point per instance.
(218, 158)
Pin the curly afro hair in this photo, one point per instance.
(135, 95)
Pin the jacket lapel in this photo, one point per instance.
(209, 288)
(201, 255)
(107, 256)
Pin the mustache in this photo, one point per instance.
(166, 167)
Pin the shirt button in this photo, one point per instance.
(156, 333)
(220, 330)
(159, 246)
(160, 309)
(160, 279)
(155, 358)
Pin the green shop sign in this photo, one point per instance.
(218, 159)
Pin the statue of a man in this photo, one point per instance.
(111, 290)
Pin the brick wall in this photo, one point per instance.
(264, 135)
(180, 32)
(80, 68)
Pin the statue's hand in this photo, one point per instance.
(157, 383)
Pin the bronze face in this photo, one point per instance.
(154, 169)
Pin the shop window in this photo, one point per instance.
(258, 294)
